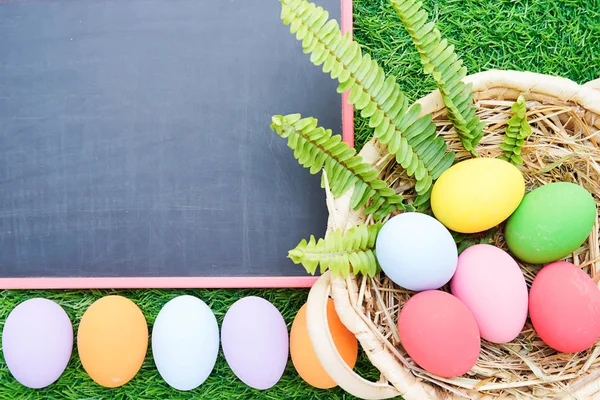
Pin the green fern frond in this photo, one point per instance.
(316, 148)
(412, 139)
(517, 131)
(440, 60)
(340, 251)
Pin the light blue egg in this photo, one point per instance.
(185, 342)
(416, 251)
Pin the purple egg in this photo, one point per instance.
(255, 342)
(37, 341)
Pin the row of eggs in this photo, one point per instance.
(489, 298)
(112, 342)
(542, 226)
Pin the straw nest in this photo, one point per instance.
(565, 119)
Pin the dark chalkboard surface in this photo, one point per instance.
(135, 139)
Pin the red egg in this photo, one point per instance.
(439, 333)
(564, 307)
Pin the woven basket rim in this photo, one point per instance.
(496, 84)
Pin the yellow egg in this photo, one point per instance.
(477, 194)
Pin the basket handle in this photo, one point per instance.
(595, 84)
(327, 353)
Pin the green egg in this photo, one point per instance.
(550, 223)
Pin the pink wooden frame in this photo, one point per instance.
(347, 109)
(196, 282)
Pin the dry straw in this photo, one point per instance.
(564, 146)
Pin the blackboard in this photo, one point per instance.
(135, 141)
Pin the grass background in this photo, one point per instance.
(560, 37)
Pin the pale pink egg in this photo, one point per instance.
(490, 283)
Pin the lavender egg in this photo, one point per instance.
(37, 341)
(255, 342)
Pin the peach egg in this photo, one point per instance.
(303, 355)
(112, 340)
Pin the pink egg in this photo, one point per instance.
(255, 342)
(564, 307)
(490, 283)
(37, 341)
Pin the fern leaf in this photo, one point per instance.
(315, 148)
(439, 59)
(517, 131)
(376, 96)
(341, 253)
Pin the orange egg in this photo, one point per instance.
(112, 340)
(303, 356)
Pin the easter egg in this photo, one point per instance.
(185, 342)
(416, 251)
(303, 355)
(550, 223)
(477, 194)
(439, 333)
(255, 343)
(112, 340)
(490, 283)
(37, 340)
(564, 307)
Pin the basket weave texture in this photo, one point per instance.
(565, 119)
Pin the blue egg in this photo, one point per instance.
(185, 342)
(416, 251)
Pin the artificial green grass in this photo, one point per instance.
(554, 37)
(559, 37)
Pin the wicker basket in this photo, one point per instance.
(565, 118)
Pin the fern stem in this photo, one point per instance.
(379, 99)
(319, 255)
(517, 130)
(317, 148)
(439, 59)
(340, 251)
